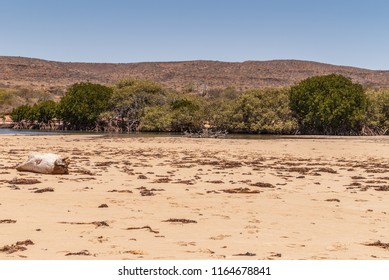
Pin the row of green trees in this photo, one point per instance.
(330, 104)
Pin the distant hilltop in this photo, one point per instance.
(46, 75)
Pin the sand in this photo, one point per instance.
(180, 198)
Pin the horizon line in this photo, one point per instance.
(194, 60)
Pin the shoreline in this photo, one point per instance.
(6, 125)
(236, 136)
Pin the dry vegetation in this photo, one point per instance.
(56, 76)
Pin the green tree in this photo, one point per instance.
(330, 104)
(82, 104)
(20, 113)
(43, 112)
(263, 111)
(131, 97)
(219, 114)
(377, 116)
(156, 119)
(188, 113)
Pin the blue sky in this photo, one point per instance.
(341, 32)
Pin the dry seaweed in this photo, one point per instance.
(215, 182)
(358, 177)
(183, 221)
(378, 244)
(382, 188)
(135, 252)
(106, 163)
(332, 200)
(148, 192)
(162, 180)
(84, 172)
(212, 191)
(44, 190)
(24, 181)
(7, 221)
(18, 246)
(186, 182)
(144, 227)
(262, 185)
(81, 253)
(240, 190)
(121, 191)
(97, 224)
(247, 254)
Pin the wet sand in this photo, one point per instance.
(182, 198)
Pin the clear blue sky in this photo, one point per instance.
(341, 32)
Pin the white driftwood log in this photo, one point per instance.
(45, 163)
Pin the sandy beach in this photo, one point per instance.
(183, 198)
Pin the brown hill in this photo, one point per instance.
(42, 74)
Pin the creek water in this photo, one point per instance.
(166, 134)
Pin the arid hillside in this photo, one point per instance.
(51, 75)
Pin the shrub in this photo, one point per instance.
(82, 104)
(219, 114)
(330, 104)
(156, 119)
(43, 111)
(20, 113)
(188, 113)
(130, 98)
(263, 111)
(377, 116)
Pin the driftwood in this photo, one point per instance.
(45, 163)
